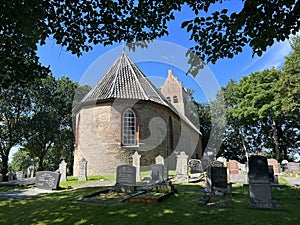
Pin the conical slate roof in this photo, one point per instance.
(124, 80)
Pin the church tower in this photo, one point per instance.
(174, 92)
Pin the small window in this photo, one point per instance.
(175, 99)
(129, 128)
(169, 99)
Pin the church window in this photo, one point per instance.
(169, 99)
(129, 128)
(175, 99)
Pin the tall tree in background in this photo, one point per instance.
(15, 106)
(264, 110)
(51, 120)
(79, 25)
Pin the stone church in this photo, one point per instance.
(125, 113)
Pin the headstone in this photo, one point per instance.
(157, 171)
(159, 160)
(82, 176)
(216, 179)
(293, 167)
(10, 175)
(195, 170)
(136, 163)
(30, 171)
(217, 164)
(181, 167)
(222, 160)
(243, 168)
(126, 178)
(284, 164)
(233, 167)
(63, 170)
(47, 180)
(259, 181)
(238, 178)
(274, 163)
(19, 175)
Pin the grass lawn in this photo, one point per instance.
(181, 208)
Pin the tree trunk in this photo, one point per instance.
(275, 137)
(4, 169)
(41, 162)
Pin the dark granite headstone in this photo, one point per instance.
(216, 178)
(258, 169)
(126, 178)
(47, 180)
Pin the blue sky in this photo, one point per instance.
(64, 63)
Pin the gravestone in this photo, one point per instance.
(293, 167)
(217, 164)
(284, 165)
(10, 175)
(30, 171)
(63, 170)
(126, 178)
(195, 170)
(160, 160)
(19, 175)
(82, 176)
(222, 160)
(259, 182)
(136, 163)
(243, 168)
(47, 180)
(181, 167)
(233, 167)
(216, 179)
(157, 171)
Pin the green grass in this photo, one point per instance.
(181, 208)
(72, 181)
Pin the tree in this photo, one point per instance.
(51, 120)
(78, 25)
(21, 161)
(15, 106)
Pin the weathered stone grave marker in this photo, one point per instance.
(157, 171)
(47, 180)
(195, 170)
(136, 163)
(30, 171)
(19, 175)
(126, 178)
(293, 167)
(82, 176)
(181, 167)
(63, 170)
(160, 160)
(259, 183)
(216, 179)
(273, 163)
(233, 167)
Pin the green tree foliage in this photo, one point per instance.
(21, 161)
(51, 120)
(78, 25)
(15, 106)
(263, 110)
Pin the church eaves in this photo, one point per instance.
(124, 80)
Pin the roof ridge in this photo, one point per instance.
(116, 77)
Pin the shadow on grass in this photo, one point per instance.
(181, 208)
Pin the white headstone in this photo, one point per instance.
(181, 167)
(136, 163)
(82, 176)
(159, 160)
(63, 170)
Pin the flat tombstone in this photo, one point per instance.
(63, 170)
(233, 167)
(274, 163)
(82, 176)
(157, 173)
(126, 178)
(181, 167)
(47, 180)
(159, 160)
(136, 163)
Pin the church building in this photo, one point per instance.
(125, 113)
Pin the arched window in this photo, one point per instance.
(129, 128)
(169, 99)
(175, 99)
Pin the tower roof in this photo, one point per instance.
(124, 80)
